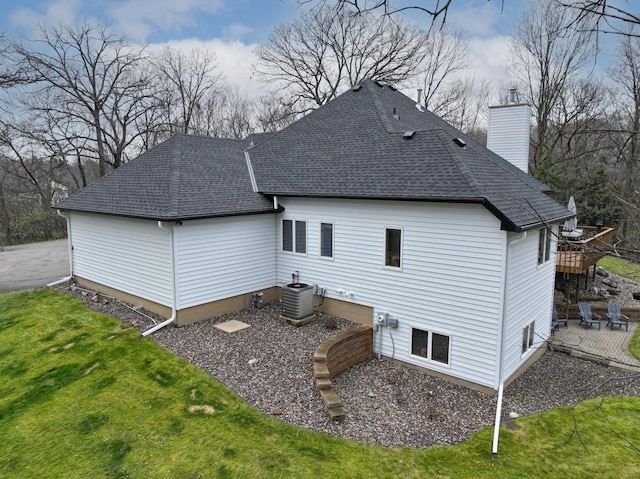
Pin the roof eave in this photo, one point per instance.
(541, 223)
(435, 199)
(176, 217)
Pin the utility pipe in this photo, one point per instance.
(174, 299)
(496, 427)
(70, 248)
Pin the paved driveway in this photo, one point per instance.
(33, 265)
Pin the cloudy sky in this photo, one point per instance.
(232, 28)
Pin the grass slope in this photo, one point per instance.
(82, 397)
(621, 267)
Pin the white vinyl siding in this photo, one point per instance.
(509, 132)
(130, 255)
(529, 297)
(225, 257)
(450, 282)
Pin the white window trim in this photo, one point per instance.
(430, 347)
(333, 241)
(384, 248)
(533, 346)
(547, 248)
(293, 232)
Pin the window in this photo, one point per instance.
(326, 240)
(294, 236)
(429, 345)
(392, 248)
(528, 333)
(544, 246)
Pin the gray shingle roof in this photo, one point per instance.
(185, 177)
(354, 147)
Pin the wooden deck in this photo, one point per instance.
(576, 257)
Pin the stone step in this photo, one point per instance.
(323, 383)
(337, 414)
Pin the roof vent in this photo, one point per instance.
(460, 142)
(392, 88)
(407, 135)
(356, 88)
(395, 114)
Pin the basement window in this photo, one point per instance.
(528, 334)
(429, 345)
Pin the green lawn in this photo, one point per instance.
(82, 397)
(621, 267)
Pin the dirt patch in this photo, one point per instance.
(205, 408)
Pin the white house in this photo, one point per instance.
(401, 219)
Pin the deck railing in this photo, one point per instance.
(576, 256)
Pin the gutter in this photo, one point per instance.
(496, 427)
(174, 283)
(70, 247)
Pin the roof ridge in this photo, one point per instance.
(460, 161)
(174, 181)
(371, 85)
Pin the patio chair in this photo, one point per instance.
(587, 317)
(616, 318)
(555, 320)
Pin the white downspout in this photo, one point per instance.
(70, 248)
(496, 427)
(174, 283)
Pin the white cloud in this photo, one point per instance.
(138, 18)
(234, 59)
(490, 58)
(479, 20)
(236, 31)
(60, 12)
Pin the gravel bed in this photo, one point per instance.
(270, 366)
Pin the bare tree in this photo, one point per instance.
(446, 57)
(273, 113)
(94, 79)
(323, 52)
(184, 81)
(603, 16)
(436, 9)
(546, 58)
(626, 132)
(226, 113)
(462, 103)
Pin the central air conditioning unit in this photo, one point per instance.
(297, 301)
